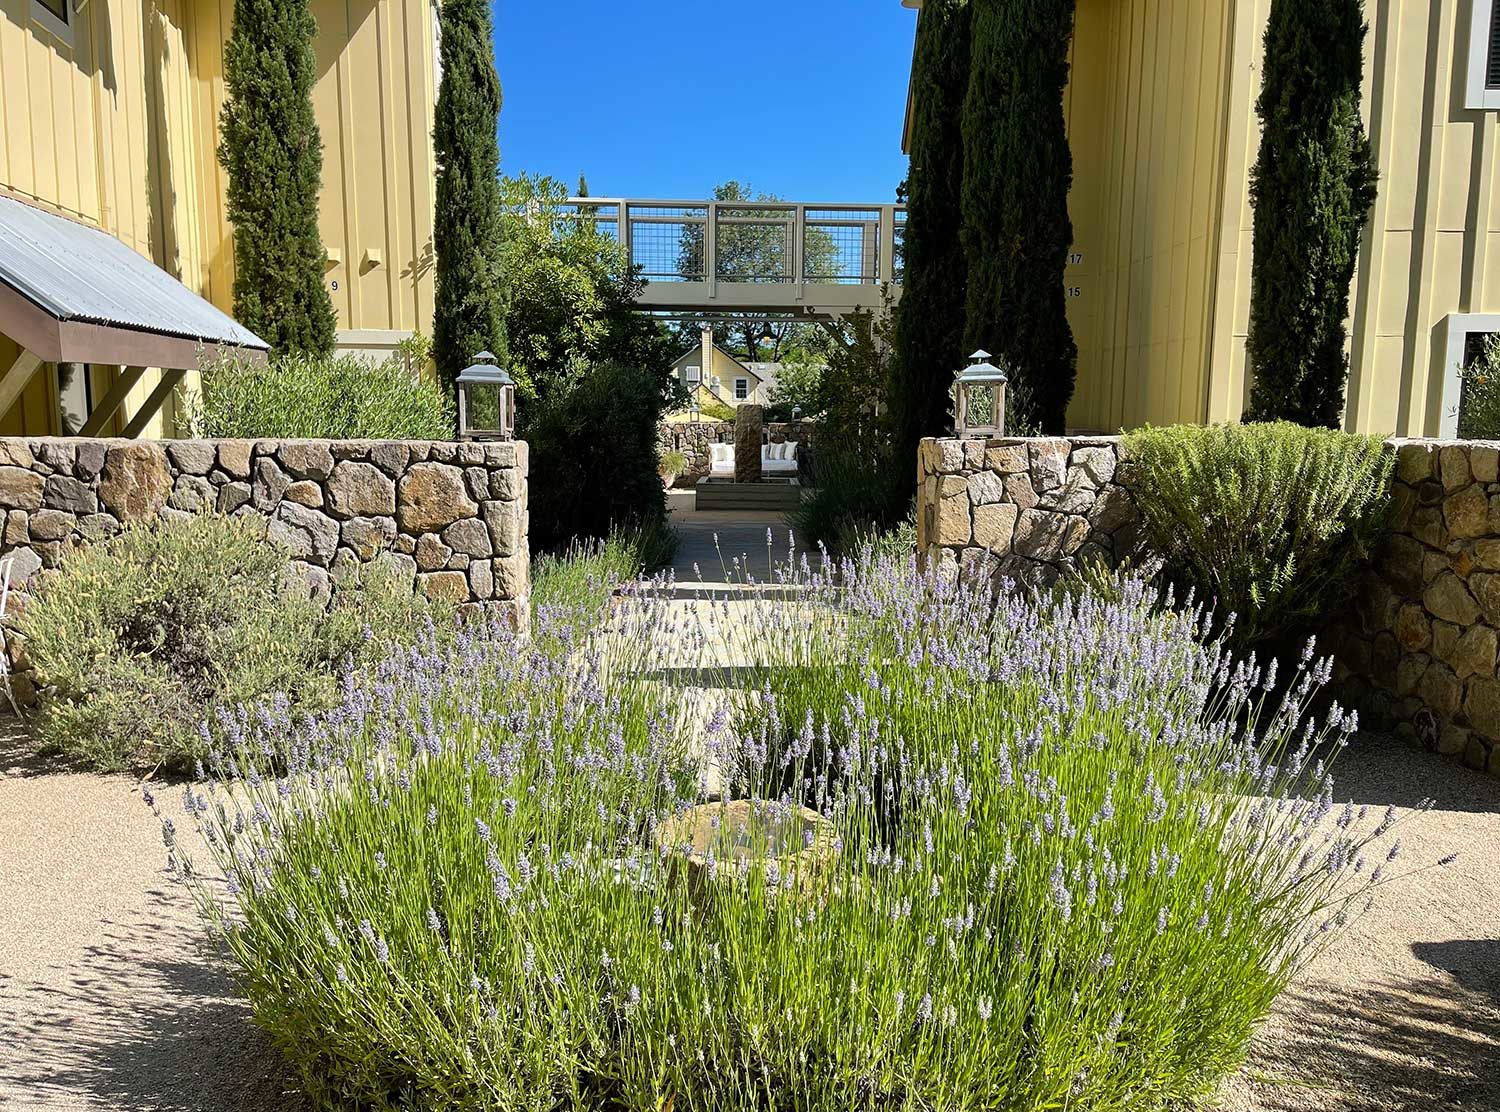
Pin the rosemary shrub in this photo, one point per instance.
(1271, 523)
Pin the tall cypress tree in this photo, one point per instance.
(469, 308)
(1311, 188)
(929, 325)
(1018, 168)
(270, 148)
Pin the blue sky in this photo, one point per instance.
(666, 98)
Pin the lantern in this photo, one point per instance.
(486, 401)
(979, 408)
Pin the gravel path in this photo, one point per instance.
(109, 997)
(110, 1000)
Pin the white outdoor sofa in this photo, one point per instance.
(776, 460)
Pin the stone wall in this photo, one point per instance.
(1024, 508)
(693, 438)
(1419, 651)
(451, 516)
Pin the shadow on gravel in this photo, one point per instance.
(149, 1019)
(1423, 1044)
(1379, 770)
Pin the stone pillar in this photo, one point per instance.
(748, 422)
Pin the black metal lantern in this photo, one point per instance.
(979, 407)
(486, 401)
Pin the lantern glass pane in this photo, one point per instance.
(484, 407)
(981, 406)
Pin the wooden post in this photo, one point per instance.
(112, 401)
(17, 377)
(154, 402)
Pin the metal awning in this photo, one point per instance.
(70, 293)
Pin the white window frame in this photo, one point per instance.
(1457, 328)
(742, 383)
(49, 22)
(1477, 95)
(692, 374)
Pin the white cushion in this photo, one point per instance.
(791, 450)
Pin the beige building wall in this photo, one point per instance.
(1431, 254)
(1161, 116)
(1145, 110)
(96, 123)
(113, 120)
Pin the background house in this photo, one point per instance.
(109, 116)
(708, 371)
(1161, 116)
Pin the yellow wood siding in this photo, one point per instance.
(1146, 123)
(1427, 250)
(374, 100)
(119, 128)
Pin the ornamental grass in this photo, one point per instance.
(1074, 852)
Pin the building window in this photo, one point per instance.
(1464, 336)
(1484, 56)
(75, 397)
(741, 389)
(55, 16)
(694, 374)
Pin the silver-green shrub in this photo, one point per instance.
(1270, 523)
(137, 639)
(314, 397)
(1078, 853)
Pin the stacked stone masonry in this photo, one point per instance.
(450, 517)
(1027, 509)
(1419, 650)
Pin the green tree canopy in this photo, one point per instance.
(469, 306)
(570, 295)
(271, 150)
(1312, 186)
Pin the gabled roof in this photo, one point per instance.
(72, 293)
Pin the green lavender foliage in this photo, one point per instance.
(1271, 522)
(1311, 188)
(270, 148)
(323, 397)
(929, 320)
(468, 229)
(1076, 860)
(137, 639)
(1018, 168)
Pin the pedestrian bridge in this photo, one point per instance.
(762, 257)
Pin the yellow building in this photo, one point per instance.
(1161, 111)
(710, 374)
(109, 117)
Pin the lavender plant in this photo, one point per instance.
(1076, 854)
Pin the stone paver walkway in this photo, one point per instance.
(711, 542)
